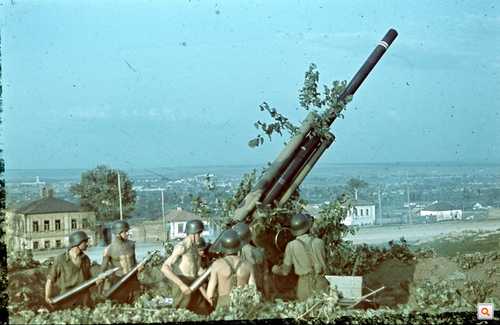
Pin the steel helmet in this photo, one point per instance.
(300, 224)
(230, 241)
(120, 226)
(194, 227)
(243, 230)
(77, 238)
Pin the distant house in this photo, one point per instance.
(479, 206)
(441, 211)
(47, 222)
(361, 213)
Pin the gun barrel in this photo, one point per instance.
(314, 142)
(306, 169)
(276, 168)
(83, 286)
(367, 67)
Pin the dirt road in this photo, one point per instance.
(420, 232)
(95, 252)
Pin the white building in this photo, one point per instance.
(442, 211)
(361, 213)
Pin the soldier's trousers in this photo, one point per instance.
(309, 284)
(223, 301)
(194, 301)
(126, 293)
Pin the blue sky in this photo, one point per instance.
(136, 84)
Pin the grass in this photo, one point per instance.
(468, 242)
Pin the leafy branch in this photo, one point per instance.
(324, 106)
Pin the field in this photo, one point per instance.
(419, 233)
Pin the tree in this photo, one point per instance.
(220, 210)
(354, 185)
(98, 191)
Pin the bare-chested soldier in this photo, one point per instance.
(183, 267)
(228, 271)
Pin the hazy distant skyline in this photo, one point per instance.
(154, 84)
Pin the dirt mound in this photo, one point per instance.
(488, 273)
(26, 289)
(396, 277)
(401, 280)
(437, 269)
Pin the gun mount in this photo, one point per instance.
(295, 161)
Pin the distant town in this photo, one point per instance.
(390, 193)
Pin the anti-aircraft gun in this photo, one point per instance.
(292, 165)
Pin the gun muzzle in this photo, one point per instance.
(83, 286)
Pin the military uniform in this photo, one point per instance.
(121, 253)
(194, 301)
(307, 256)
(67, 275)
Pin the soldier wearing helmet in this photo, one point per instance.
(203, 246)
(229, 271)
(183, 266)
(255, 256)
(70, 269)
(121, 253)
(307, 256)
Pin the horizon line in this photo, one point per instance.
(265, 164)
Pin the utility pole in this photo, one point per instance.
(379, 206)
(163, 216)
(408, 197)
(120, 195)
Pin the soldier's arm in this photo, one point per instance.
(286, 267)
(166, 269)
(48, 291)
(251, 278)
(51, 279)
(106, 260)
(141, 268)
(87, 267)
(212, 284)
(320, 256)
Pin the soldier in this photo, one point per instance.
(183, 267)
(255, 256)
(203, 253)
(121, 253)
(228, 271)
(70, 269)
(307, 256)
